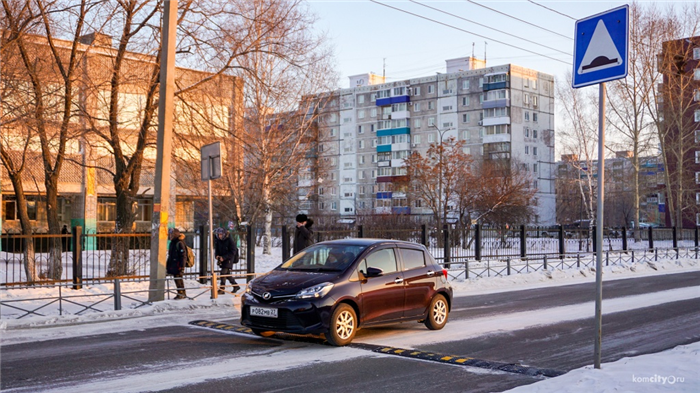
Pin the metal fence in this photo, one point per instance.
(77, 257)
(85, 258)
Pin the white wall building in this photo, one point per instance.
(367, 130)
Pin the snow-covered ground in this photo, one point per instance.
(674, 370)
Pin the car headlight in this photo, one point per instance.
(315, 292)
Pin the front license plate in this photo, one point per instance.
(263, 312)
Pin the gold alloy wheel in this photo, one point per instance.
(345, 325)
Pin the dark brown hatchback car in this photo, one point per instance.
(336, 287)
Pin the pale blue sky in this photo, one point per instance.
(367, 35)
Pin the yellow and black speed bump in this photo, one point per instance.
(460, 360)
(407, 353)
(222, 326)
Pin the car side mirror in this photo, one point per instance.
(374, 272)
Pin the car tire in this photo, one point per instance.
(438, 313)
(343, 326)
(262, 333)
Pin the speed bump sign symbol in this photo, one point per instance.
(601, 47)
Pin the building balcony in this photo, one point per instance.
(393, 100)
(496, 85)
(492, 121)
(499, 103)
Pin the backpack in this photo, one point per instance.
(189, 255)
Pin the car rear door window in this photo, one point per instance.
(382, 259)
(412, 259)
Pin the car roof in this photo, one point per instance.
(368, 242)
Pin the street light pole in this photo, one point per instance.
(441, 147)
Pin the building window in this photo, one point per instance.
(373, 112)
(527, 150)
(360, 129)
(697, 219)
(481, 82)
(481, 98)
(371, 127)
(431, 121)
(333, 117)
(361, 144)
(534, 117)
(697, 198)
(533, 84)
(431, 138)
(534, 151)
(527, 116)
(361, 114)
(360, 98)
(696, 53)
(417, 123)
(106, 209)
(431, 89)
(697, 136)
(334, 206)
(534, 100)
(333, 132)
(431, 105)
(416, 91)
(534, 167)
(696, 95)
(465, 101)
(697, 156)
(534, 134)
(696, 74)
(465, 118)
(416, 106)
(526, 99)
(416, 140)
(527, 132)
(373, 97)
(697, 115)
(697, 177)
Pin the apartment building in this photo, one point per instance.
(679, 113)
(577, 186)
(367, 130)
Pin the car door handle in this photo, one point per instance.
(430, 273)
(398, 280)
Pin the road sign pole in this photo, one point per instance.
(599, 227)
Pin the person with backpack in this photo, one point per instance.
(226, 254)
(175, 264)
(303, 234)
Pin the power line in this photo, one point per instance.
(553, 10)
(492, 28)
(469, 32)
(521, 20)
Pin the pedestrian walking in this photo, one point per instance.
(175, 264)
(226, 254)
(303, 234)
(65, 240)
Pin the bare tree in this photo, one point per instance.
(434, 178)
(579, 136)
(502, 192)
(629, 115)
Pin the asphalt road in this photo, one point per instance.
(113, 360)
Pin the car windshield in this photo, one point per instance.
(323, 257)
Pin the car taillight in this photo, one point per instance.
(444, 273)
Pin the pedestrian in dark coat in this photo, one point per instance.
(226, 254)
(303, 235)
(65, 240)
(175, 264)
